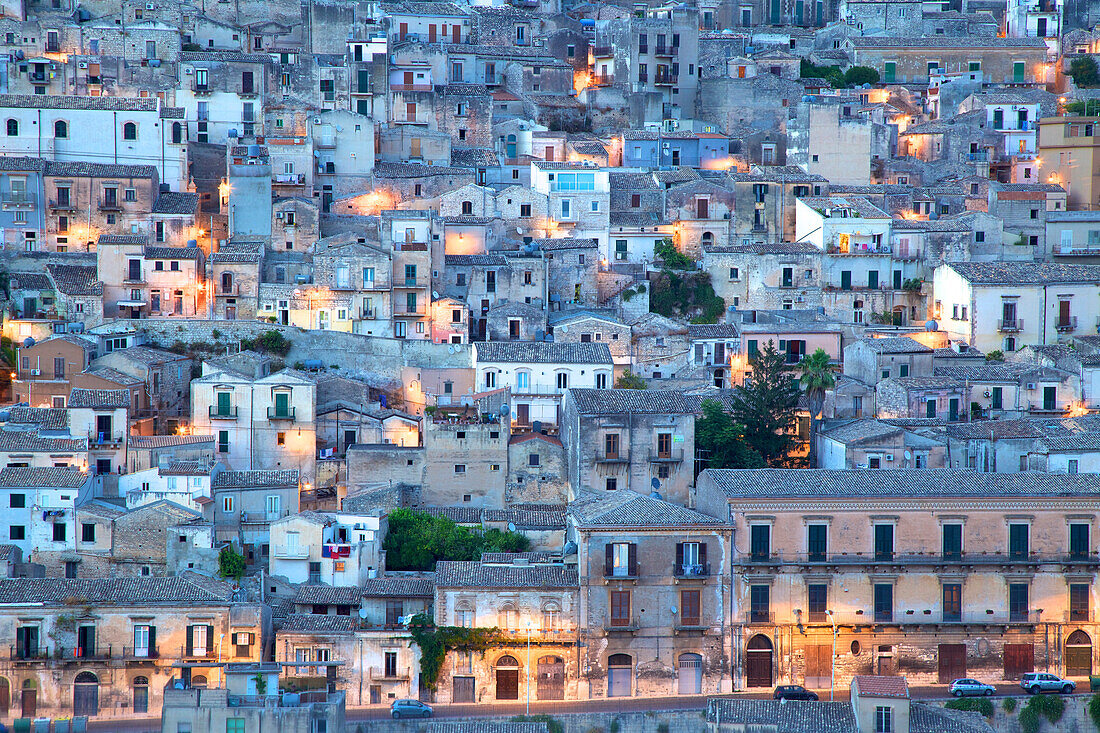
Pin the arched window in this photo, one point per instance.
(177, 133)
(510, 146)
(198, 682)
(708, 237)
(227, 282)
(509, 616)
(507, 661)
(61, 129)
(129, 131)
(467, 208)
(13, 128)
(551, 615)
(464, 614)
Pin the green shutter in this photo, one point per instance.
(223, 403)
(891, 71)
(1018, 72)
(190, 639)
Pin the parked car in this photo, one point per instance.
(1036, 682)
(967, 686)
(410, 709)
(793, 692)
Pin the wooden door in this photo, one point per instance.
(1078, 654)
(403, 30)
(523, 414)
(952, 662)
(1019, 659)
(462, 689)
(456, 33)
(551, 679)
(431, 33)
(758, 668)
(819, 658)
(507, 684)
(86, 699)
(29, 702)
(618, 682)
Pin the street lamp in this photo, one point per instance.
(832, 660)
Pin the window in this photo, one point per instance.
(611, 483)
(17, 501)
(817, 600)
(227, 504)
(1018, 541)
(563, 380)
(817, 538)
(884, 719)
(760, 604)
(87, 532)
(760, 542)
(129, 131)
(61, 129)
(1078, 602)
(1018, 602)
(144, 640)
(236, 725)
(1078, 541)
(620, 608)
(460, 469)
(952, 541)
(884, 602)
(58, 532)
(223, 441)
(690, 608)
(884, 542)
(621, 560)
(13, 128)
(533, 460)
(952, 602)
(17, 532)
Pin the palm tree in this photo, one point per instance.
(817, 377)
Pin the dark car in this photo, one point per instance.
(793, 692)
(409, 709)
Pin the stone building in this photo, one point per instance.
(619, 439)
(909, 59)
(765, 276)
(989, 589)
(537, 472)
(655, 601)
(465, 458)
(108, 647)
(572, 266)
(166, 377)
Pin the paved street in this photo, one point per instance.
(631, 704)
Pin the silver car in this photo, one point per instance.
(967, 686)
(1036, 682)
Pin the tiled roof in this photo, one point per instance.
(777, 248)
(139, 239)
(78, 169)
(233, 56)
(188, 468)
(326, 594)
(621, 401)
(895, 345)
(481, 260)
(932, 382)
(474, 158)
(317, 622)
(76, 279)
(712, 331)
(398, 587)
(1026, 273)
(541, 352)
(148, 355)
(417, 170)
(47, 418)
(507, 558)
(99, 398)
(139, 591)
(473, 574)
(487, 726)
(140, 442)
(895, 483)
(172, 253)
(634, 219)
(26, 478)
(551, 245)
(993, 371)
(631, 509)
(528, 519)
(29, 280)
(113, 375)
(255, 479)
(860, 430)
(881, 686)
(633, 182)
(176, 202)
(457, 514)
(22, 163)
(121, 104)
(30, 441)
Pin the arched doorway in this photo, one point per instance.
(28, 699)
(507, 678)
(551, 679)
(758, 662)
(620, 668)
(86, 694)
(198, 682)
(141, 695)
(690, 673)
(1078, 654)
(5, 697)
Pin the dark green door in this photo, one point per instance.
(846, 280)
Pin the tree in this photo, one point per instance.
(1084, 71)
(231, 563)
(418, 540)
(817, 377)
(721, 441)
(766, 405)
(860, 75)
(630, 380)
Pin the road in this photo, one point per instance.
(629, 704)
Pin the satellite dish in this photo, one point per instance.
(908, 455)
(362, 613)
(435, 295)
(655, 483)
(28, 342)
(450, 349)
(673, 609)
(511, 526)
(504, 410)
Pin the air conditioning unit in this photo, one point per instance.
(1031, 385)
(150, 6)
(987, 393)
(188, 72)
(83, 64)
(279, 215)
(889, 457)
(316, 120)
(35, 372)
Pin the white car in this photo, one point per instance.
(967, 686)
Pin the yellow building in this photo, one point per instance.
(1070, 150)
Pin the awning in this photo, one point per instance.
(133, 303)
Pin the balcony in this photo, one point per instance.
(223, 413)
(105, 440)
(1010, 325)
(618, 623)
(411, 87)
(405, 309)
(290, 179)
(674, 455)
(38, 77)
(417, 281)
(144, 655)
(286, 413)
(1066, 324)
(880, 249)
(602, 52)
(66, 205)
(210, 652)
(691, 570)
(82, 654)
(759, 617)
(630, 572)
(392, 675)
(368, 314)
(19, 200)
(612, 456)
(38, 654)
(981, 156)
(666, 51)
(558, 634)
(200, 89)
(291, 552)
(666, 79)
(326, 142)
(247, 92)
(109, 204)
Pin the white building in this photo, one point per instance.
(181, 482)
(40, 506)
(120, 130)
(332, 548)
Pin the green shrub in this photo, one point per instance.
(230, 563)
(981, 705)
(1094, 710)
(553, 725)
(673, 258)
(1029, 720)
(860, 75)
(1009, 705)
(1051, 707)
(1084, 71)
(418, 540)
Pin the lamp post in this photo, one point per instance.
(832, 659)
(528, 666)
